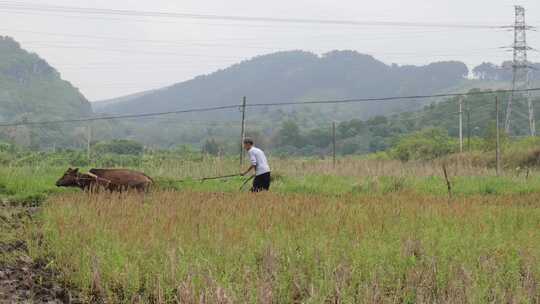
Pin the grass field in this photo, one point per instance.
(350, 176)
(283, 248)
(363, 232)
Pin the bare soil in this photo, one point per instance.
(22, 279)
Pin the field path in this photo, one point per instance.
(22, 279)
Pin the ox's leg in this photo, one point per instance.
(142, 190)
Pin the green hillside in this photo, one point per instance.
(30, 89)
(383, 132)
(278, 77)
(299, 75)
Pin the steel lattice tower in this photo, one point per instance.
(521, 69)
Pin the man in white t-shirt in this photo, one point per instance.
(259, 163)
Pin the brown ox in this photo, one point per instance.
(85, 181)
(110, 179)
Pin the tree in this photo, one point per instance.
(377, 143)
(349, 147)
(490, 139)
(426, 144)
(377, 120)
(487, 71)
(350, 128)
(7, 147)
(119, 146)
(211, 147)
(320, 138)
(289, 135)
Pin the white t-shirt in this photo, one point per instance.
(258, 159)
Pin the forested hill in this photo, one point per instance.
(296, 75)
(503, 72)
(31, 89)
(382, 132)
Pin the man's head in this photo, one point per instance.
(248, 144)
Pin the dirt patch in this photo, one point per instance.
(30, 282)
(22, 279)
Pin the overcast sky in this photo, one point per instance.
(107, 56)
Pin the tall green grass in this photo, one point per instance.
(28, 184)
(34, 184)
(342, 185)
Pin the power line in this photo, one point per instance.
(388, 98)
(118, 117)
(240, 42)
(209, 109)
(17, 6)
(172, 48)
(176, 122)
(242, 24)
(125, 51)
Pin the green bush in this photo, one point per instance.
(490, 139)
(112, 160)
(120, 147)
(5, 147)
(382, 155)
(426, 144)
(211, 147)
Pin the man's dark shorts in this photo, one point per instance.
(261, 183)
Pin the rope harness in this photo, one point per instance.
(89, 176)
(202, 180)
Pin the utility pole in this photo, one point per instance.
(460, 124)
(88, 141)
(468, 128)
(334, 143)
(498, 148)
(532, 123)
(521, 69)
(243, 132)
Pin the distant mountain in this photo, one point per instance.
(101, 105)
(30, 89)
(298, 75)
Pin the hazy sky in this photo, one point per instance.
(107, 56)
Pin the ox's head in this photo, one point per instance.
(69, 179)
